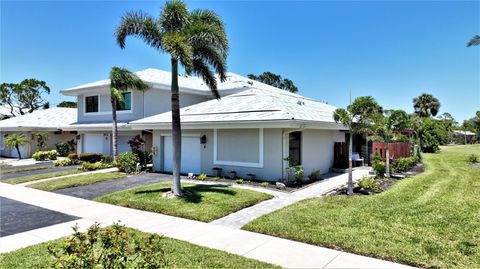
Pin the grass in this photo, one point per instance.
(430, 220)
(19, 180)
(75, 181)
(204, 202)
(24, 169)
(3, 165)
(180, 254)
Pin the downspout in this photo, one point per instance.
(284, 132)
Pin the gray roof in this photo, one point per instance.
(48, 119)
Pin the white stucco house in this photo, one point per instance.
(251, 129)
(48, 120)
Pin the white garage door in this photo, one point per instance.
(190, 155)
(93, 142)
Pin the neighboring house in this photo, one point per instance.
(48, 120)
(467, 136)
(251, 129)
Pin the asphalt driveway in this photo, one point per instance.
(17, 217)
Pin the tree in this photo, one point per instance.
(121, 80)
(388, 128)
(41, 139)
(475, 41)
(25, 97)
(14, 141)
(432, 133)
(196, 39)
(426, 105)
(70, 104)
(275, 81)
(358, 118)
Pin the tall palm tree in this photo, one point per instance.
(426, 105)
(121, 80)
(475, 41)
(14, 141)
(358, 118)
(196, 39)
(388, 127)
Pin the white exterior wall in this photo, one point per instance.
(318, 149)
(28, 150)
(101, 142)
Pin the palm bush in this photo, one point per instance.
(14, 141)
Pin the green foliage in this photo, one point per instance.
(72, 156)
(314, 175)
(26, 97)
(106, 159)
(401, 165)
(264, 184)
(378, 165)
(70, 104)
(239, 181)
(128, 161)
(95, 166)
(275, 81)
(64, 162)
(91, 157)
(473, 158)
(426, 105)
(202, 177)
(432, 134)
(110, 247)
(41, 140)
(64, 148)
(368, 183)
(14, 141)
(45, 155)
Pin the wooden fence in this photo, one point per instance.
(397, 149)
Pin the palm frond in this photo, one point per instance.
(174, 16)
(177, 45)
(475, 41)
(140, 25)
(341, 115)
(122, 79)
(214, 58)
(201, 69)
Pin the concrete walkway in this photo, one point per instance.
(265, 248)
(240, 218)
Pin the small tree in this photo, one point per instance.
(358, 118)
(14, 141)
(387, 128)
(275, 81)
(41, 139)
(71, 104)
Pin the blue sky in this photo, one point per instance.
(393, 51)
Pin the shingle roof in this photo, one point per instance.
(266, 104)
(158, 77)
(48, 119)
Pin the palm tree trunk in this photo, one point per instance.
(18, 152)
(176, 131)
(387, 160)
(114, 129)
(350, 172)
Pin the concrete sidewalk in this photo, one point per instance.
(265, 248)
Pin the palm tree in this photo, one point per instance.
(358, 118)
(426, 105)
(388, 127)
(196, 39)
(475, 41)
(121, 80)
(14, 141)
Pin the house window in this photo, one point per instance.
(127, 102)
(91, 104)
(295, 147)
(238, 147)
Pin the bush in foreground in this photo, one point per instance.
(109, 247)
(128, 161)
(45, 155)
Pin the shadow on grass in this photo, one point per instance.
(193, 194)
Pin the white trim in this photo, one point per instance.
(234, 163)
(85, 113)
(183, 135)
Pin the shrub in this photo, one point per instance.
(45, 155)
(264, 184)
(106, 159)
(239, 181)
(41, 139)
(404, 164)
(473, 158)
(72, 156)
(95, 166)
(127, 161)
(378, 165)
(367, 183)
(63, 149)
(64, 162)
(110, 247)
(314, 175)
(202, 177)
(91, 157)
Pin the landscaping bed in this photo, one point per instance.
(74, 181)
(428, 220)
(178, 254)
(202, 202)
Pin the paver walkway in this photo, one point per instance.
(265, 248)
(244, 216)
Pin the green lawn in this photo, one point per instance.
(74, 181)
(19, 180)
(430, 220)
(24, 169)
(204, 203)
(179, 254)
